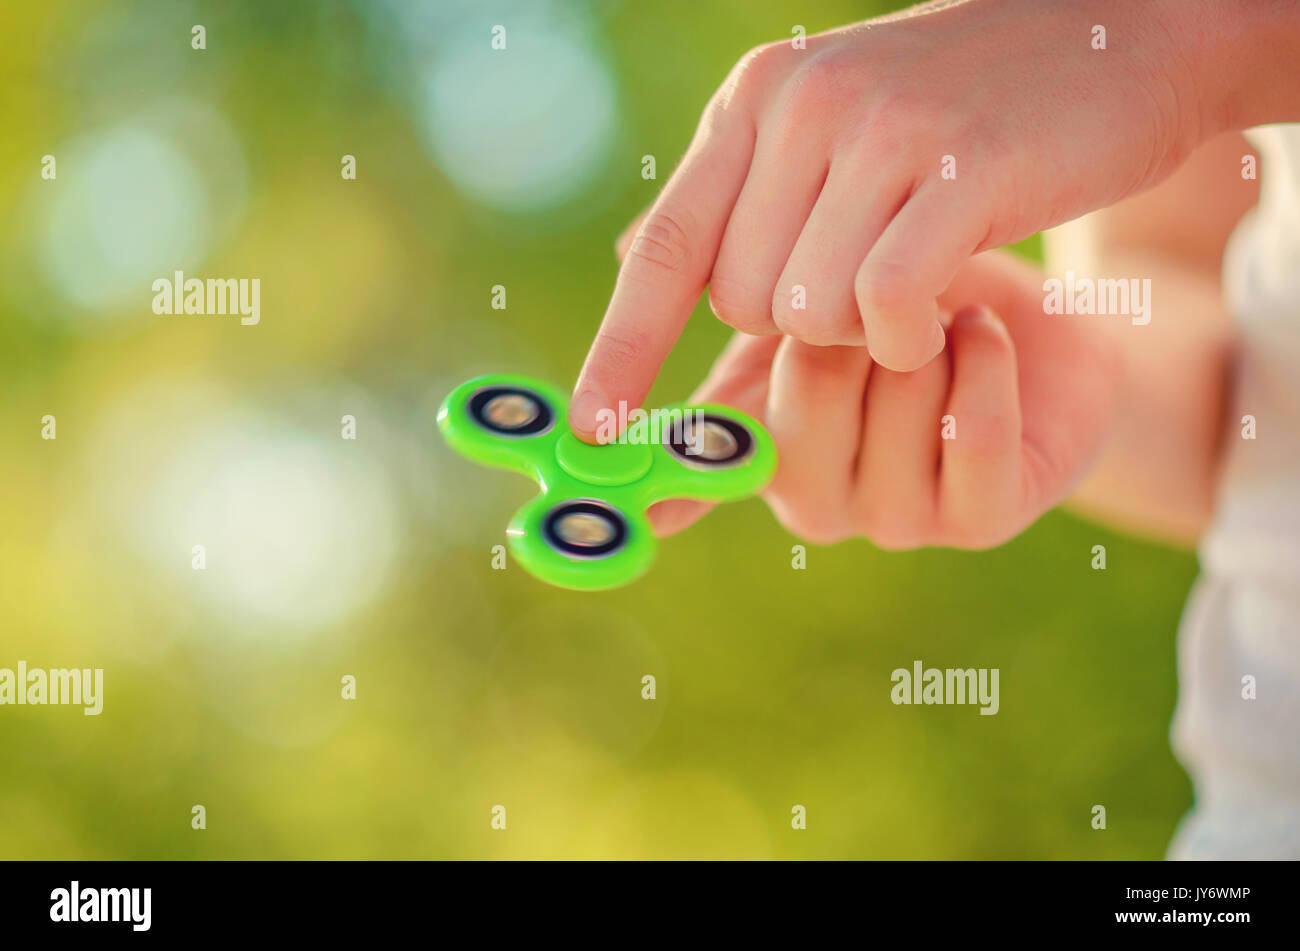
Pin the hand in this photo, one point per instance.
(1027, 399)
(823, 169)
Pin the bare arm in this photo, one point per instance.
(1157, 476)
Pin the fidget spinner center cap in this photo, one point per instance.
(614, 464)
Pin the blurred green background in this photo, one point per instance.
(371, 558)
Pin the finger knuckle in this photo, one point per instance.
(826, 537)
(817, 330)
(978, 516)
(884, 287)
(620, 352)
(979, 532)
(895, 539)
(763, 60)
(820, 323)
(811, 522)
(752, 74)
(662, 243)
(891, 528)
(817, 85)
(788, 320)
(820, 335)
(896, 110)
(739, 304)
(821, 532)
(889, 123)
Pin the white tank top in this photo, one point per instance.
(1241, 630)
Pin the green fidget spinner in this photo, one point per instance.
(588, 528)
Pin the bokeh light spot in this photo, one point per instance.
(524, 128)
(134, 211)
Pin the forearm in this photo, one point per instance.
(1157, 475)
(1159, 471)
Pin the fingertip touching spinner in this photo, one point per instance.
(587, 528)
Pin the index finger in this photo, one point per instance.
(666, 269)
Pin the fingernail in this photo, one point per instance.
(584, 412)
(937, 338)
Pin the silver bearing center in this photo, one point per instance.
(711, 442)
(584, 529)
(511, 411)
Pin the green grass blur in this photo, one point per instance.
(475, 687)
